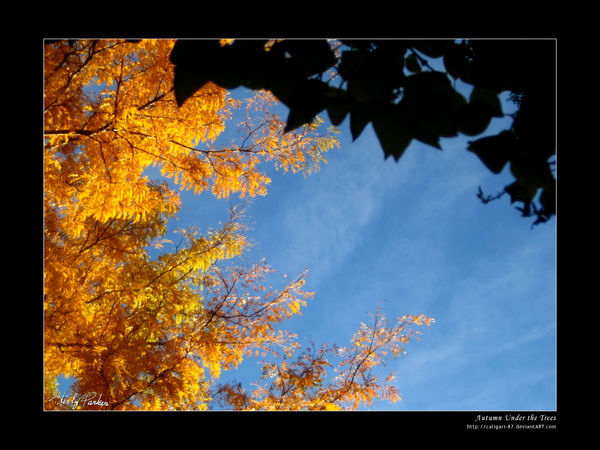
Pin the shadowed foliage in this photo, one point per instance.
(392, 85)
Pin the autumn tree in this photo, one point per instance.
(142, 332)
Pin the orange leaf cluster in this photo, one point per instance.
(303, 384)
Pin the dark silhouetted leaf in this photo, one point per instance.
(186, 82)
(392, 131)
(296, 119)
(305, 102)
(336, 103)
(495, 151)
(431, 139)
(430, 105)
(199, 61)
(359, 119)
(336, 113)
(473, 118)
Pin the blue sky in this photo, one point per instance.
(413, 238)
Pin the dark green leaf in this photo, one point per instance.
(190, 73)
(186, 82)
(430, 104)
(337, 104)
(199, 61)
(433, 88)
(473, 118)
(359, 119)
(428, 138)
(336, 114)
(495, 151)
(305, 102)
(296, 119)
(392, 131)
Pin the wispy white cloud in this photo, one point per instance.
(330, 213)
(487, 345)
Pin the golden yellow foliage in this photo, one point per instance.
(156, 333)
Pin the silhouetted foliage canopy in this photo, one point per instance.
(391, 84)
